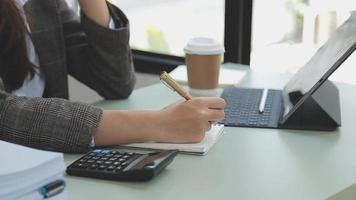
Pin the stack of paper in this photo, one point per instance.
(26, 173)
(227, 77)
(201, 148)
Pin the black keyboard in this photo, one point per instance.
(121, 165)
(242, 107)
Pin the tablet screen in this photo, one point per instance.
(324, 62)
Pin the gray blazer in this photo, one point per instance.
(96, 56)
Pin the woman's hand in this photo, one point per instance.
(96, 10)
(182, 122)
(187, 122)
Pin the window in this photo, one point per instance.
(286, 33)
(164, 26)
(161, 28)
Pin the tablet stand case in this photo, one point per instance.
(320, 111)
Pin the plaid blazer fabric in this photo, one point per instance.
(68, 44)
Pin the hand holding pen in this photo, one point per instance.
(185, 121)
(192, 117)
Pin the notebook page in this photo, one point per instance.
(211, 137)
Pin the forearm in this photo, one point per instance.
(96, 10)
(123, 127)
(183, 122)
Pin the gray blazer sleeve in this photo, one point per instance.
(97, 56)
(51, 124)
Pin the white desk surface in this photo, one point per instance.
(246, 163)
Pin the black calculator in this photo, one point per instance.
(121, 165)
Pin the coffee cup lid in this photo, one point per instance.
(203, 46)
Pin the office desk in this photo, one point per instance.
(246, 163)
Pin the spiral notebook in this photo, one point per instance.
(201, 148)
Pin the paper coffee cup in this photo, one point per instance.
(203, 57)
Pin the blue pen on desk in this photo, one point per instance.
(52, 189)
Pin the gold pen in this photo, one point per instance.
(172, 84)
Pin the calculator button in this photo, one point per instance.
(93, 166)
(122, 160)
(118, 169)
(95, 158)
(112, 159)
(104, 158)
(105, 151)
(111, 168)
(108, 162)
(78, 165)
(117, 163)
(91, 161)
(81, 166)
(124, 164)
(99, 162)
(102, 166)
